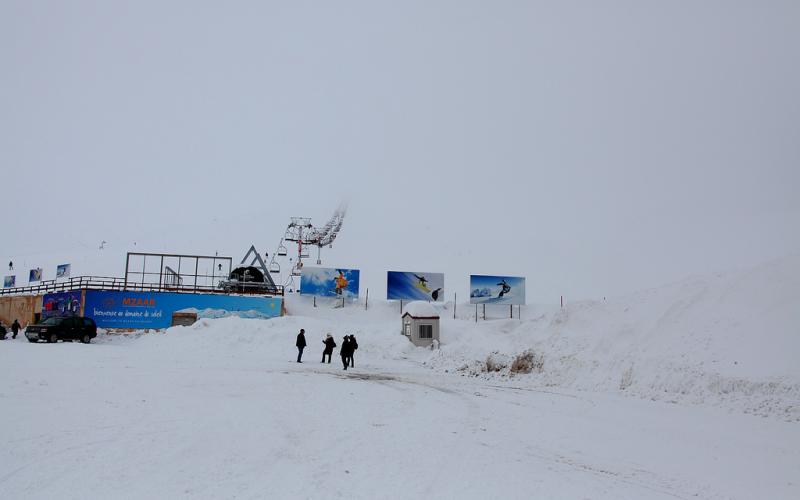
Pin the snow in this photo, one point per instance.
(420, 309)
(683, 391)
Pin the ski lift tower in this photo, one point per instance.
(301, 232)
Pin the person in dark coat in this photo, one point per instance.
(301, 344)
(353, 347)
(329, 345)
(15, 328)
(346, 351)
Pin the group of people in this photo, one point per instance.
(15, 328)
(348, 348)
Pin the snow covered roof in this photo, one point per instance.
(420, 309)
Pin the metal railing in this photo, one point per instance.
(120, 284)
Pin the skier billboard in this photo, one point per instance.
(329, 282)
(496, 289)
(62, 271)
(9, 281)
(414, 286)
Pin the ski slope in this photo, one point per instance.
(683, 391)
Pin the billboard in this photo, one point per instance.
(35, 275)
(414, 286)
(61, 304)
(329, 282)
(63, 270)
(496, 290)
(140, 310)
(9, 281)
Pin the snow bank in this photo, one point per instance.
(728, 340)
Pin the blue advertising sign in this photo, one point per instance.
(61, 304)
(9, 281)
(496, 290)
(329, 282)
(140, 310)
(414, 286)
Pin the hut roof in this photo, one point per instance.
(420, 309)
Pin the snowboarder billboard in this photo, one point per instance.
(414, 286)
(61, 304)
(329, 282)
(496, 290)
(140, 310)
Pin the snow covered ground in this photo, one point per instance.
(685, 391)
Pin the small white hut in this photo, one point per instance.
(421, 323)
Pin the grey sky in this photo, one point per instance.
(594, 147)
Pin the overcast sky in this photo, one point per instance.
(594, 147)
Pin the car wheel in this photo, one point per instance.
(86, 338)
(53, 338)
(33, 341)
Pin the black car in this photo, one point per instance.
(55, 329)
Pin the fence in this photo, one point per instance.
(120, 284)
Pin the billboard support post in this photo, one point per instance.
(511, 306)
(476, 313)
(455, 304)
(484, 312)
(196, 269)
(401, 307)
(127, 262)
(366, 302)
(315, 301)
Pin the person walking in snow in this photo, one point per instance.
(301, 344)
(329, 345)
(346, 351)
(353, 347)
(15, 328)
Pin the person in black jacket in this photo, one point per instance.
(329, 345)
(301, 344)
(15, 328)
(346, 351)
(353, 347)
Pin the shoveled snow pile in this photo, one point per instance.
(727, 339)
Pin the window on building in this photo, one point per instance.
(426, 331)
(407, 329)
